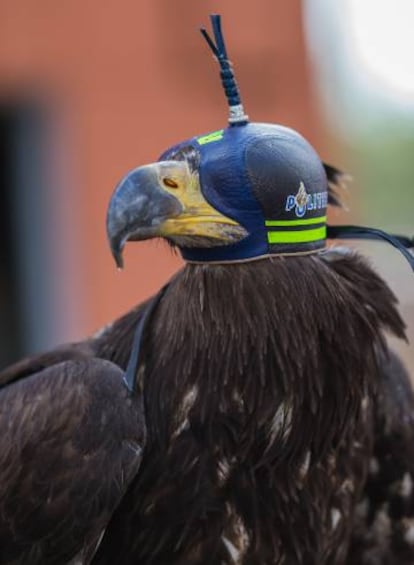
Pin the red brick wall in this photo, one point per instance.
(126, 80)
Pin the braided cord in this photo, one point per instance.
(237, 117)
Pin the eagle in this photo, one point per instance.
(251, 412)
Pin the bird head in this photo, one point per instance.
(246, 191)
(233, 194)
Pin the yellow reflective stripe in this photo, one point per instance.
(213, 136)
(300, 236)
(307, 222)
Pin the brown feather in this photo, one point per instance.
(337, 183)
(71, 442)
(267, 399)
(383, 529)
(259, 391)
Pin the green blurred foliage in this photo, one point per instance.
(382, 164)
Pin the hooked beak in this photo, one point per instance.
(164, 199)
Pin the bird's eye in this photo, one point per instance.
(169, 182)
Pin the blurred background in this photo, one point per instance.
(90, 89)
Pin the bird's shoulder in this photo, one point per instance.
(71, 442)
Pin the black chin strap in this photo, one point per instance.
(400, 242)
(135, 358)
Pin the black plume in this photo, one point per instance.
(337, 183)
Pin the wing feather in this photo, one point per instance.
(71, 440)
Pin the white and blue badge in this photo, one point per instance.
(302, 202)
